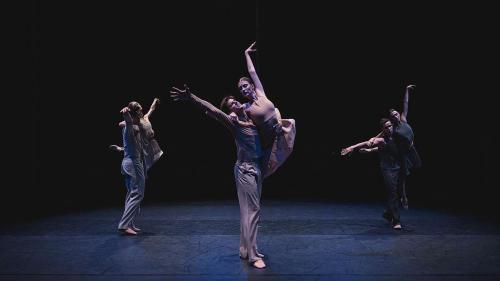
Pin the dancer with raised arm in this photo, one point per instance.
(390, 166)
(247, 169)
(152, 150)
(404, 137)
(272, 128)
(133, 166)
(403, 134)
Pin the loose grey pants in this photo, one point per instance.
(248, 179)
(135, 181)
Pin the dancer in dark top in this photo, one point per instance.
(404, 137)
(390, 166)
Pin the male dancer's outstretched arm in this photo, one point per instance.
(372, 143)
(212, 111)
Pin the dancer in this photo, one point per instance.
(267, 118)
(151, 147)
(390, 166)
(133, 166)
(247, 169)
(404, 137)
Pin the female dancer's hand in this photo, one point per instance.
(251, 49)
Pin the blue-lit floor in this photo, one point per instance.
(301, 240)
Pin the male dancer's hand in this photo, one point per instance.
(346, 151)
(178, 94)
(125, 110)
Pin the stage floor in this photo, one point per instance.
(198, 241)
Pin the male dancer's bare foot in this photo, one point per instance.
(135, 228)
(129, 231)
(259, 264)
(397, 226)
(116, 148)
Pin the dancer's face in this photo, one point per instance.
(246, 89)
(388, 128)
(234, 106)
(395, 116)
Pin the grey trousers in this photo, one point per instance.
(135, 181)
(248, 179)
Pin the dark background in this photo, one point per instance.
(335, 68)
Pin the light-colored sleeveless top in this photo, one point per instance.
(260, 110)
